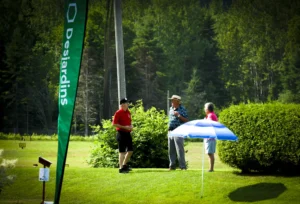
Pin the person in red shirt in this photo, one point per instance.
(210, 144)
(122, 122)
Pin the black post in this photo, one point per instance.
(44, 189)
(46, 163)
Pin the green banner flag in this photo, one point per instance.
(73, 39)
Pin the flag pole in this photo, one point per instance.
(168, 102)
(202, 182)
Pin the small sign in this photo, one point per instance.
(44, 174)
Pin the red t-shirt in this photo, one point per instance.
(123, 118)
(211, 116)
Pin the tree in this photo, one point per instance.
(88, 95)
(146, 65)
(30, 74)
(252, 40)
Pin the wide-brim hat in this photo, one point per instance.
(175, 97)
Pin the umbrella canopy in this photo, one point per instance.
(203, 129)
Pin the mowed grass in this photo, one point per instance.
(77, 154)
(83, 184)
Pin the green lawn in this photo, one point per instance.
(88, 185)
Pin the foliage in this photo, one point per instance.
(105, 153)
(147, 58)
(203, 50)
(30, 60)
(258, 45)
(35, 137)
(149, 139)
(6, 165)
(288, 97)
(89, 92)
(268, 137)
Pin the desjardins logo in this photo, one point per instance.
(64, 82)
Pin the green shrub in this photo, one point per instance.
(269, 137)
(5, 166)
(4, 136)
(288, 97)
(149, 140)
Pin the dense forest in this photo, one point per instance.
(226, 52)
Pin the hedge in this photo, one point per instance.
(268, 137)
(149, 138)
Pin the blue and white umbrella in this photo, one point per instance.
(204, 129)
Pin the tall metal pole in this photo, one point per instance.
(119, 49)
(168, 102)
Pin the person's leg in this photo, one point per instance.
(122, 152)
(179, 144)
(121, 159)
(127, 157)
(129, 150)
(211, 161)
(210, 150)
(172, 152)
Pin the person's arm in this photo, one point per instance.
(182, 115)
(123, 127)
(183, 119)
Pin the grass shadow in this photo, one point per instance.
(257, 192)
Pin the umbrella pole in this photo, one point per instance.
(203, 152)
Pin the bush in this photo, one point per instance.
(5, 166)
(269, 137)
(149, 140)
(288, 97)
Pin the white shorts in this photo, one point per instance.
(210, 146)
